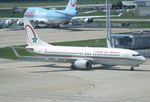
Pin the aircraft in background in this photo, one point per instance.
(81, 57)
(38, 15)
(53, 18)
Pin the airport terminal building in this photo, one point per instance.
(131, 40)
(143, 7)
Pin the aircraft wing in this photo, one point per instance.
(44, 59)
(65, 13)
(90, 19)
(95, 17)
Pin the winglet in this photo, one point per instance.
(120, 14)
(16, 53)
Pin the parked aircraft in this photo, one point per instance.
(53, 18)
(38, 15)
(81, 57)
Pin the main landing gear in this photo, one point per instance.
(132, 68)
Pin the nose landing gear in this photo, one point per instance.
(132, 67)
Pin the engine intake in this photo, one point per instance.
(82, 64)
(89, 20)
(20, 23)
(9, 22)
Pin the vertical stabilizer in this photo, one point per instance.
(32, 37)
(71, 7)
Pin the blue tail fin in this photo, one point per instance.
(71, 7)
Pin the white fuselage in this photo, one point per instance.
(104, 56)
(37, 14)
(81, 57)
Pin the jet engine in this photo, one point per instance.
(88, 20)
(66, 23)
(20, 23)
(9, 22)
(82, 64)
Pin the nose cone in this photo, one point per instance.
(143, 59)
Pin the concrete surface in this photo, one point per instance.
(17, 37)
(23, 81)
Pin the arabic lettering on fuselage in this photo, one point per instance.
(108, 52)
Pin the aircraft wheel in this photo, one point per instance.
(73, 67)
(132, 69)
(89, 65)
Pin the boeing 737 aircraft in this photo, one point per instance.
(81, 57)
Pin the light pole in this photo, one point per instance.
(108, 24)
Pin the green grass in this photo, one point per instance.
(11, 15)
(139, 24)
(88, 43)
(50, 3)
(8, 53)
(125, 15)
(30, 4)
(23, 52)
(132, 15)
(99, 13)
(132, 24)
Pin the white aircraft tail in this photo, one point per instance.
(31, 35)
(71, 7)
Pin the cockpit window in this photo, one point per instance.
(136, 55)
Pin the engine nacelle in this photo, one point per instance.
(20, 23)
(82, 64)
(8, 22)
(66, 23)
(88, 20)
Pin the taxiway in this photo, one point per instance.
(10, 37)
(23, 81)
(17, 37)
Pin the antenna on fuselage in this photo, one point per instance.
(108, 24)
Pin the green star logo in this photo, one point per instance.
(34, 40)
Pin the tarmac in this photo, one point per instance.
(29, 81)
(24, 81)
(10, 37)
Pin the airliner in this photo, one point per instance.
(81, 57)
(38, 15)
(53, 18)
